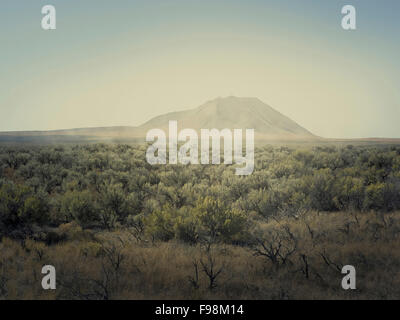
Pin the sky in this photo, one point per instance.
(112, 63)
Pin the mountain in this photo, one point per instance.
(220, 113)
(234, 113)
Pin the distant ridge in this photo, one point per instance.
(231, 112)
(220, 113)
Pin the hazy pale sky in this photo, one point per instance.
(124, 62)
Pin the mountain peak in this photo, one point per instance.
(234, 99)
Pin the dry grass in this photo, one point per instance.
(114, 265)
